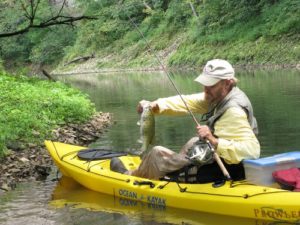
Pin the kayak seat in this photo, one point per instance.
(207, 173)
(98, 154)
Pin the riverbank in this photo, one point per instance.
(90, 67)
(34, 163)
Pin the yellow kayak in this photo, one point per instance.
(238, 199)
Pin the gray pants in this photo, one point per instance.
(161, 161)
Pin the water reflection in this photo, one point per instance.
(28, 204)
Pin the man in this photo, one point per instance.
(230, 128)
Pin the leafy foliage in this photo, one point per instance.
(240, 31)
(31, 108)
(202, 28)
(49, 47)
(39, 46)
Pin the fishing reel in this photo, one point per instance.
(201, 153)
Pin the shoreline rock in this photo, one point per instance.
(34, 162)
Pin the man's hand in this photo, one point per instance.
(154, 106)
(205, 134)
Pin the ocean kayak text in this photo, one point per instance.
(147, 198)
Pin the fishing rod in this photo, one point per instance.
(216, 156)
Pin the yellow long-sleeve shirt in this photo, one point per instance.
(236, 138)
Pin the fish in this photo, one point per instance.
(147, 126)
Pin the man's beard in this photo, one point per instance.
(209, 98)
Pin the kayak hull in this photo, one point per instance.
(238, 199)
(69, 193)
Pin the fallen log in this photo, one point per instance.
(48, 75)
(82, 58)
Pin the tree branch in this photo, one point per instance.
(67, 20)
(193, 9)
(55, 20)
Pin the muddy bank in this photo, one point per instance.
(34, 162)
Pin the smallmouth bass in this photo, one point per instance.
(147, 126)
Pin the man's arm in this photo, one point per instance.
(236, 140)
(175, 106)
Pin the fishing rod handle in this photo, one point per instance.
(222, 167)
(219, 161)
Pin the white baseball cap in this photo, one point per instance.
(214, 71)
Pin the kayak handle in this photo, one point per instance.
(140, 183)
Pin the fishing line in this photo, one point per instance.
(164, 69)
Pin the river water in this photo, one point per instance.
(275, 96)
